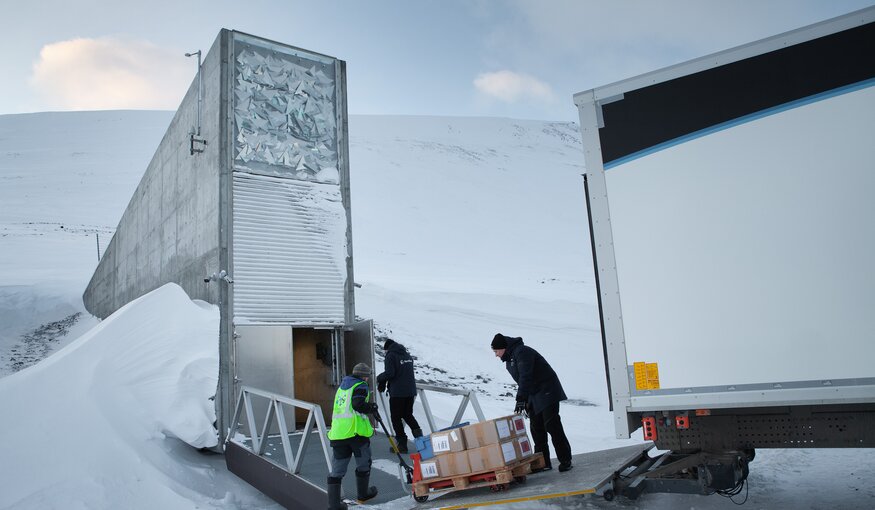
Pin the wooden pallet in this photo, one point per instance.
(492, 478)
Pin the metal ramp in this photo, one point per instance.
(291, 466)
(591, 472)
(306, 489)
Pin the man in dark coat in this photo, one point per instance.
(398, 376)
(538, 394)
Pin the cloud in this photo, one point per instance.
(111, 73)
(513, 87)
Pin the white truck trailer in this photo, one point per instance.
(732, 222)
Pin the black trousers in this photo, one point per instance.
(548, 422)
(401, 410)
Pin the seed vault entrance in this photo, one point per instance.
(292, 303)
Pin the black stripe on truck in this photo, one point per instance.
(657, 114)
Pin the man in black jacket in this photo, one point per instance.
(538, 394)
(398, 376)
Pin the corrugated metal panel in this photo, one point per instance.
(289, 251)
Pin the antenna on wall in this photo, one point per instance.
(197, 132)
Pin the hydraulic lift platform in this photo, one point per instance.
(591, 472)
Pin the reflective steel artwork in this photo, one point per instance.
(285, 115)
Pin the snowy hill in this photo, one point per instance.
(462, 227)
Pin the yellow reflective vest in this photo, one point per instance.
(346, 422)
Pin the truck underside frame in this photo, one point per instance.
(836, 426)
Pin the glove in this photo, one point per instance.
(372, 408)
(520, 407)
(381, 386)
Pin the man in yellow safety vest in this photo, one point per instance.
(350, 435)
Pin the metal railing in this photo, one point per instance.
(275, 420)
(468, 396)
(275, 416)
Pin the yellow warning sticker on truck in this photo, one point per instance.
(646, 375)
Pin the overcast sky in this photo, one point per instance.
(514, 58)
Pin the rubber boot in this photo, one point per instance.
(361, 484)
(334, 500)
(401, 441)
(417, 433)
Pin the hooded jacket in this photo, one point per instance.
(536, 380)
(398, 372)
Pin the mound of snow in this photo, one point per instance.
(145, 374)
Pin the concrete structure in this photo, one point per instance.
(246, 205)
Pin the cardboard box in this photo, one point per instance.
(517, 425)
(449, 464)
(493, 456)
(523, 446)
(487, 432)
(447, 441)
(423, 446)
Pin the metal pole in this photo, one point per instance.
(199, 85)
(428, 416)
(199, 89)
(97, 237)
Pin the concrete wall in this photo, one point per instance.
(170, 229)
(178, 224)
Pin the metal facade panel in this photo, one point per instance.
(285, 111)
(289, 251)
(265, 358)
(291, 230)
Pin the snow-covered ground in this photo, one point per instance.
(463, 227)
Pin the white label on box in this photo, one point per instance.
(429, 469)
(440, 443)
(503, 428)
(454, 436)
(525, 446)
(508, 452)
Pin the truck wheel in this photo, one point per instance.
(609, 495)
(520, 479)
(420, 499)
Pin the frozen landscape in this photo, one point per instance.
(462, 227)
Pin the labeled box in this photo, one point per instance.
(423, 446)
(493, 456)
(450, 464)
(487, 432)
(523, 446)
(517, 425)
(447, 441)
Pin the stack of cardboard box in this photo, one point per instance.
(485, 446)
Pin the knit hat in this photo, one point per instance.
(499, 341)
(361, 370)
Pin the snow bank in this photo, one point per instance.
(112, 398)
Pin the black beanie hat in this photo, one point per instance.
(389, 342)
(499, 341)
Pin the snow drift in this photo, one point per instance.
(146, 374)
